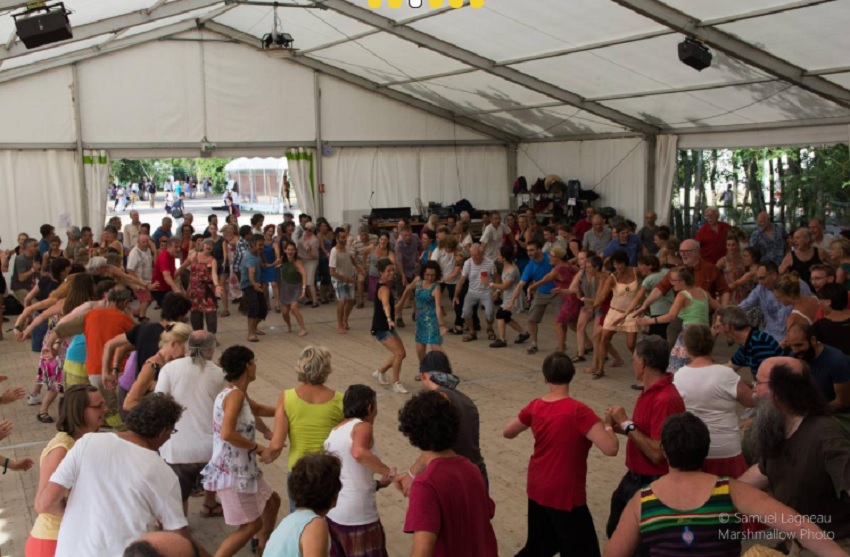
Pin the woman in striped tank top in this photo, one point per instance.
(689, 512)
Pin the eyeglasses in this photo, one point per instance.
(173, 431)
(683, 251)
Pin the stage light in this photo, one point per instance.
(695, 54)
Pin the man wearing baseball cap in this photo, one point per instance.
(436, 374)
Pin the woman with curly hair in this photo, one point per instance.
(246, 497)
(314, 485)
(450, 485)
(425, 290)
(307, 413)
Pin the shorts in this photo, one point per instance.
(253, 304)
(289, 293)
(143, 295)
(344, 290)
(187, 475)
(382, 336)
(538, 306)
(504, 315)
(483, 298)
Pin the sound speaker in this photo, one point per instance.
(694, 54)
(43, 28)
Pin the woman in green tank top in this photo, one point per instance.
(691, 306)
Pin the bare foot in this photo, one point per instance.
(303, 333)
(590, 369)
(618, 363)
(341, 331)
(259, 332)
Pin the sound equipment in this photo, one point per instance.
(694, 54)
(41, 26)
(392, 213)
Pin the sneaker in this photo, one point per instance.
(381, 377)
(522, 337)
(399, 323)
(498, 343)
(33, 399)
(399, 388)
(532, 349)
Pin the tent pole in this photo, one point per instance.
(317, 96)
(512, 151)
(651, 170)
(81, 171)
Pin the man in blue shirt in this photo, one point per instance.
(629, 243)
(537, 268)
(755, 346)
(47, 233)
(253, 299)
(830, 367)
(762, 296)
(164, 231)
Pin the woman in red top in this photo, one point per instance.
(564, 429)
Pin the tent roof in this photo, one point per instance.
(256, 163)
(529, 71)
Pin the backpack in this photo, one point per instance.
(177, 210)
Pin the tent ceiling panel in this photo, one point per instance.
(350, 113)
(199, 13)
(648, 65)
(540, 123)
(751, 104)
(717, 9)
(280, 96)
(309, 28)
(842, 79)
(509, 30)
(813, 39)
(169, 111)
(473, 92)
(383, 58)
(38, 109)
(39, 55)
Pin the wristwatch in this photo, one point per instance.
(628, 427)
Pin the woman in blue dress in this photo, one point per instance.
(429, 313)
(270, 266)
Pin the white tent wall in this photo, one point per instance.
(37, 187)
(779, 137)
(399, 175)
(350, 113)
(38, 109)
(613, 168)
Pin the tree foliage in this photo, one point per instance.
(127, 171)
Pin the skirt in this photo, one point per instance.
(290, 293)
(242, 508)
(310, 266)
(679, 355)
(367, 540)
(570, 308)
(74, 373)
(627, 326)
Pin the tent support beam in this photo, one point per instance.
(317, 100)
(651, 170)
(372, 86)
(117, 24)
(512, 156)
(737, 48)
(78, 131)
(470, 58)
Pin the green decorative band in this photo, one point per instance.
(94, 159)
(305, 156)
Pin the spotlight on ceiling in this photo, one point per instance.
(695, 54)
(42, 24)
(277, 39)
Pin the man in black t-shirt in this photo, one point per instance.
(143, 338)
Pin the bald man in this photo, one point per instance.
(164, 544)
(712, 236)
(803, 453)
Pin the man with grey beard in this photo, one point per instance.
(803, 453)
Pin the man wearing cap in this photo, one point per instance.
(436, 374)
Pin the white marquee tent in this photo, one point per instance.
(436, 103)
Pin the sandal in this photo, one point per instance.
(455, 331)
(491, 335)
(225, 314)
(253, 339)
(209, 511)
(470, 337)
(44, 418)
(578, 358)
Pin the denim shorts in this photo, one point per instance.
(381, 336)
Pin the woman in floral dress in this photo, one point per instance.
(246, 497)
(204, 288)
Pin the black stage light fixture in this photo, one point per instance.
(43, 25)
(284, 40)
(694, 54)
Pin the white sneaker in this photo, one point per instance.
(399, 388)
(33, 399)
(381, 377)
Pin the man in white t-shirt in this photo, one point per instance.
(120, 487)
(481, 274)
(344, 271)
(494, 236)
(194, 382)
(140, 264)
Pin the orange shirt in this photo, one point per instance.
(102, 325)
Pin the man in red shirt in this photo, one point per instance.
(165, 271)
(450, 511)
(712, 236)
(645, 460)
(585, 224)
